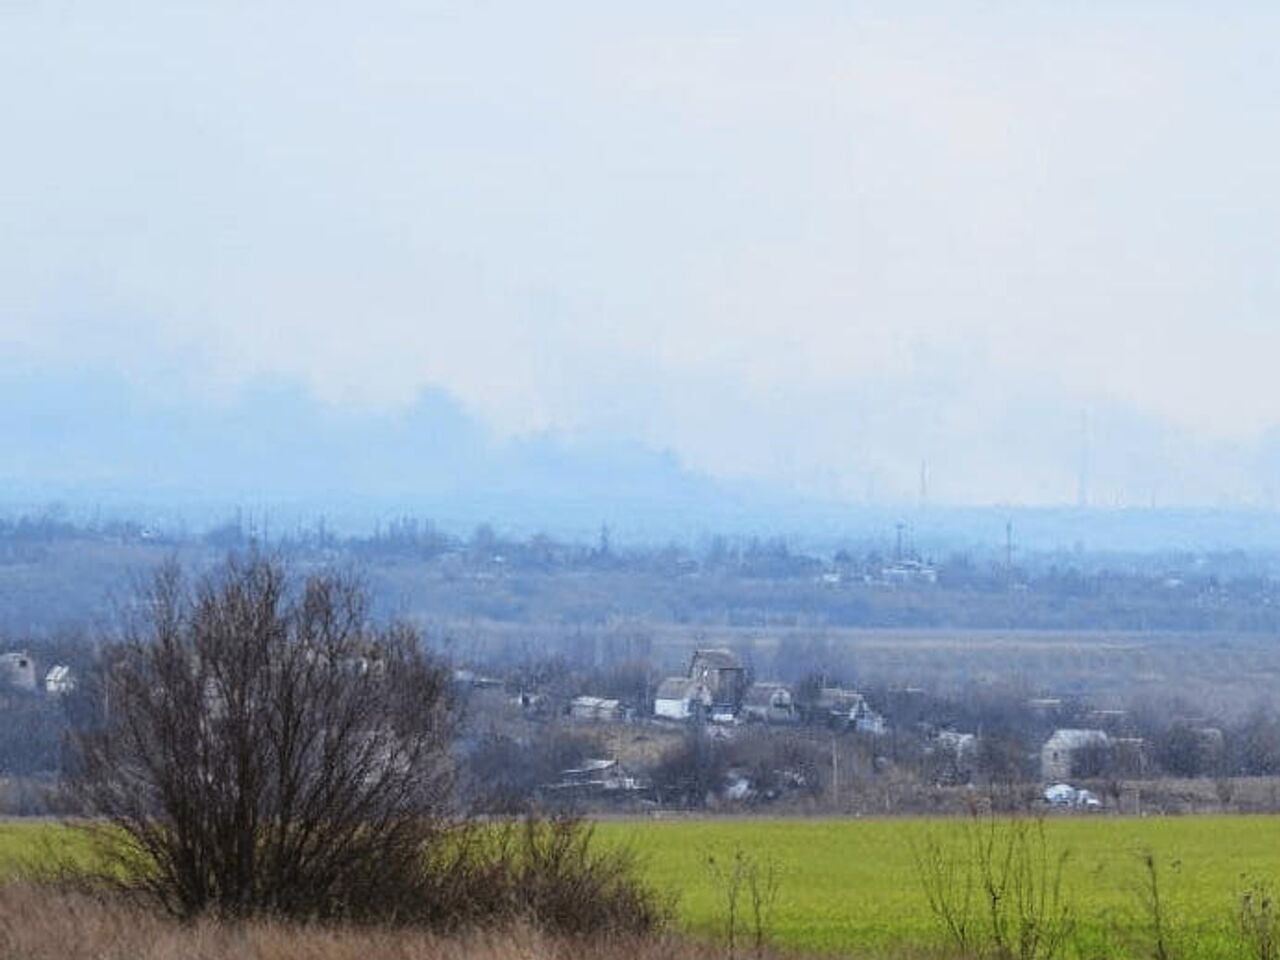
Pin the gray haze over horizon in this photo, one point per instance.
(796, 250)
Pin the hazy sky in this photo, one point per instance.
(811, 244)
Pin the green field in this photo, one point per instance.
(852, 885)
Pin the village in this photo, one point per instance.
(717, 737)
(818, 745)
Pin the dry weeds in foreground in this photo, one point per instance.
(39, 923)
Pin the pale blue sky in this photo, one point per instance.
(803, 244)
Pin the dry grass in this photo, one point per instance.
(41, 923)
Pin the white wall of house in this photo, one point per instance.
(673, 709)
(18, 670)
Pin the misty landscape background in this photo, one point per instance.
(431, 430)
(670, 269)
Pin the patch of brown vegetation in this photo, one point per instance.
(42, 923)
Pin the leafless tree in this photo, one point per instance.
(262, 748)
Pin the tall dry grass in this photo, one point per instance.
(44, 923)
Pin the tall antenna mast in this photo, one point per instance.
(1082, 481)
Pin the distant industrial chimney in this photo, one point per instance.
(1082, 481)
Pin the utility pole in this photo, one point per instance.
(835, 773)
(1008, 547)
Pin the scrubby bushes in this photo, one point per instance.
(546, 872)
(39, 924)
(262, 749)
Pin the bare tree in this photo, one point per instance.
(691, 770)
(263, 749)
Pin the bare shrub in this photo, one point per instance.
(764, 883)
(262, 748)
(549, 872)
(729, 876)
(949, 882)
(995, 888)
(37, 923)
(740, 875)
(567, 883)
(1260, 923)
(1160, 931)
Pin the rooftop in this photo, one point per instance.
(718, 657)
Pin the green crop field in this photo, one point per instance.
(853, 886)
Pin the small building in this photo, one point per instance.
(962, 746)
(1057, 756)
(59, 680)
(18, 671)
(908, 572)
(680, 698)
(769, 703)
(604, 776)
(839, 703)
(848, 708)
(722, 673)
(596, 709)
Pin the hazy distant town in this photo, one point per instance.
(737, 672)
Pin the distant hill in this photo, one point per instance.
(98, 444)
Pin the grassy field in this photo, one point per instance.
(851, 886)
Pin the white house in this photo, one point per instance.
(679, 698)
(18, 670)
(595, 708)
(59, 680)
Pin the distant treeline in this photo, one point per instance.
(58, 571)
